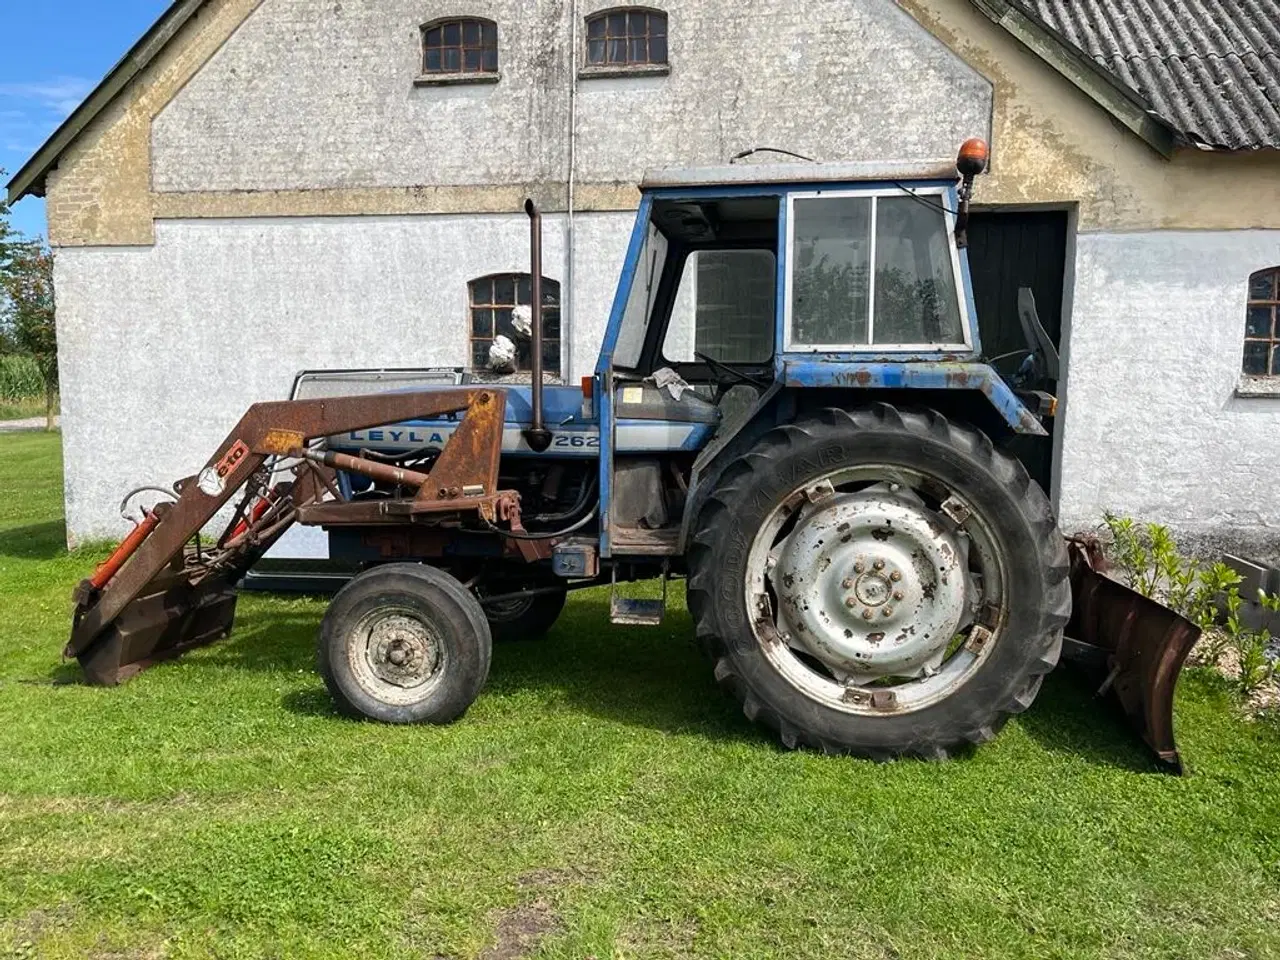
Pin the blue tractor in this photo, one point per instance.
(791, 411)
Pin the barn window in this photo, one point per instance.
(1262, 325)
(627, 37)
(495, 302)
(460, 46)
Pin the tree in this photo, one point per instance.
(26, 304)
(27, 281)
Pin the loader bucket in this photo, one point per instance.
(1136, 645)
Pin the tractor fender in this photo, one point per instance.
(970, 392)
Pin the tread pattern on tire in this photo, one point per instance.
(719, 512)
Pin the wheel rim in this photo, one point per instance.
(396, 655)
(876, 590)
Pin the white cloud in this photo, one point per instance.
(31, 111)
(61, 95)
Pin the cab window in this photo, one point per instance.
(724, 308)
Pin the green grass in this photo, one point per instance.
(601, 799)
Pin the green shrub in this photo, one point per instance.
(20, 378)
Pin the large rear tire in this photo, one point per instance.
(527, 619)
(879, 582)
(404, 643)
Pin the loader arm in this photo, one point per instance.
(155, 599)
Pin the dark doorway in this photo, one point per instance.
(1008, 251)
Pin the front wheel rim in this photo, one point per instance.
(396, 655)
(877, 590)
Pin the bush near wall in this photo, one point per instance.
(20, 379)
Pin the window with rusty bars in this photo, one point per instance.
(494, 300)
(627, 37)
(1262, 325)
(467, 45)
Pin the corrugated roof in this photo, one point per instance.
(1210, 68)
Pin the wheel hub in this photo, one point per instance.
(402, 651)
(873, 584)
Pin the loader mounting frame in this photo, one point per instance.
(158, 596)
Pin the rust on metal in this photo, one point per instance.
(157, 597)
(1138, 644)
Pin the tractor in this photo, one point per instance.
(791, 411)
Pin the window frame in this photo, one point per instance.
(516, 277)
(1270, 375)
(874, 193)
(462, 73)
(629, 65)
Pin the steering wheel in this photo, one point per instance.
(737, 375)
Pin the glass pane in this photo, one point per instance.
(480, 354)
(471, 33)
(551, 355)
(617, 24)
(551, 323)
(504, 290)
(481, 323)
(489, 35)
(595, 28)
(550, 293)
(637, 24)
(917, 300)
(1262, 285)
(1275, 361)
(595, 51)
(1258, 322)
(724, 307)
(452, 34)
(831, 271)
(644, 290)
(482, 291)
(452, 60)
(639, 50)
(502, 324)
(617, 51)
(1256, 356)
(433, 61)
(471, 61)
(491, 61)
(432, 38)
(523, 289)
(658, 50)
(657, 25)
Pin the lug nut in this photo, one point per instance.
(851, 603)
(897, 595)
(868, 613)
(859, 567)
(888, 611)
(895, 576)
(848, 583)
(879, 564)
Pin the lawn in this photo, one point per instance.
(601, 799)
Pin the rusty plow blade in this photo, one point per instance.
(164, 591)
(1138, 647)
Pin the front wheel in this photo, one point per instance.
(404, 643)
(880, 582)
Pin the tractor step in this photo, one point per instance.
(636, 611)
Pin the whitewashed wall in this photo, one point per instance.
(1152, 425)
(164, 348)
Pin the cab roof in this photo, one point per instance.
(800, 173)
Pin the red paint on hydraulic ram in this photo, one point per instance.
(104, 574)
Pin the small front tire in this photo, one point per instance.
(405, 643)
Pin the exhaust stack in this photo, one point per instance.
(537, 436)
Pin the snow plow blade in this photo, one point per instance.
(1136, 645)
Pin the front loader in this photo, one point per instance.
(791, 410)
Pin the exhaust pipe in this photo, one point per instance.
(537, 436)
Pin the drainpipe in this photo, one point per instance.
(568, 294)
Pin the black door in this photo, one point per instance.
(1008, 251)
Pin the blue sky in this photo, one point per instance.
(54, 53)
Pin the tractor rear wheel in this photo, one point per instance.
(527, 618)
(405, 643)
(879, 582)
